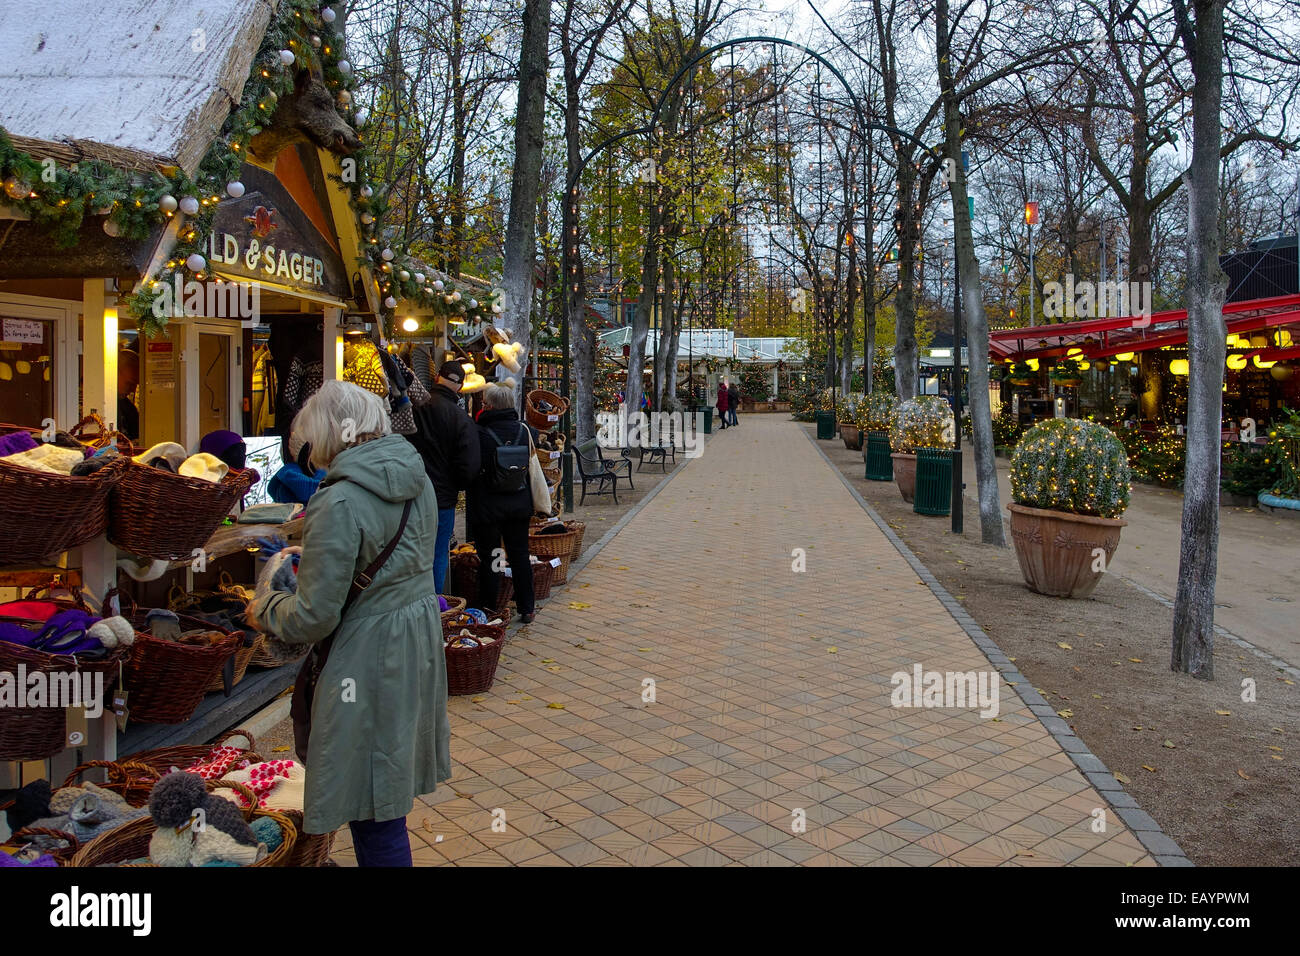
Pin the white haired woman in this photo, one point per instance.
(497, 516)
(384, 739)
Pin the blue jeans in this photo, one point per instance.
(446, 525)
(381, 843)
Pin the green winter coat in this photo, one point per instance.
(380, 735)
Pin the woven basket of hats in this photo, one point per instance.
(473, 652)
(157, 514)
(47, 513)
(543, 410)
(548, 542)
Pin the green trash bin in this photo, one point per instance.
(933, 482)
(825, 426)
(880, 466)
(707, 412)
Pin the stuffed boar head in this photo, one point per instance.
(306, 115)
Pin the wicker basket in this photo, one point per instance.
(464, 583)
(554, 546)
(270, 654)
(34, 733)
(62, 856)
(310, 849)
(130, 779)
(579, 529)
(471, 670)
(156, 514)
(243, 657)
(540, 419)
(166, 679)
(454, 603)
(48, 514)
(130, 841)
(543, 578)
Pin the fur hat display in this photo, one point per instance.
(183, 838)
(205, 466)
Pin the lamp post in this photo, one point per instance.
(1031, 219)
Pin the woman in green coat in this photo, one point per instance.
(379, 730)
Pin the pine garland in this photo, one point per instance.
(58, 199)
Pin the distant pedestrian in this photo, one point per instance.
(723, 403)
(496, 509)
(733, 401)
(446, 440)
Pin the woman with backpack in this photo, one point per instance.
(499, 502)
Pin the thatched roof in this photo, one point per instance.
(122, 81)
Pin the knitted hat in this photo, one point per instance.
(452, 371)
(15, 442)
(170, 452)
(227, 446)
(205, 466)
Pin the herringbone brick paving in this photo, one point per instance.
(771, 695)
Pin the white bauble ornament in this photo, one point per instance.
(111, 228)
(390, 303)
(345, 67)
(366, 192)
(388, 255)
(419, 278)
(272, 97)
(167, 203)
(189, 206)
(367, 219)
(361, 116)
(15, 188)
(315, 41)
(327, 15)
(286, 57)
(496, 309)
(455, 297)
(404, 275)
(447, 300)
(439, 285)
(473, 303)
(345, 98)
(234, 189)
(195, 262)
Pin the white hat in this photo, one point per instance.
(205, 466)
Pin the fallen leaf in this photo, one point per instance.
(554, 667)
(555, 706)
(1169, 744)
(578, 605)
(477, 700)
(1121, 778)
(1136, 660)
(278, 750)
(1242, 775)
(1271, 747)
(1224, 713)
(1138, 727)
(1274, 757)
(548, 660)
(1145, 767)
(1096, 696)
(832, 650)
(644, 650)
(1067, 714)
(622, 567)
(1064, 646)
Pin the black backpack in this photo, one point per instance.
(509, 471)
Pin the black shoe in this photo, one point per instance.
(527, 618)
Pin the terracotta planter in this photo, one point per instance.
(905, 475)
(852, 436)
(1057, 550)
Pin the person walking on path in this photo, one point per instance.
(733, 401)
(723, 400)
(497, 514)
(372, 753)
(446, 440)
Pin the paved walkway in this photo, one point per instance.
(771, 702)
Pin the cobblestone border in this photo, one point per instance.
(1143, 825)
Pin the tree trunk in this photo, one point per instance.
(581, 339)
(905, 348)
(1193, 631)
(521, 230)
(456, 237)
(972, 300)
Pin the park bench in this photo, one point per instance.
(593, 467)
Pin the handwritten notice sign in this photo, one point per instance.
(22, 330)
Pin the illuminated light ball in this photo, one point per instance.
(234, 189)
(404, 275)
(367, 219)
(439, 285)
(345, 67)
(286, 58)
(419, 278)
(168, 203)
(390, 303)
(1178, 367)
(388, 255)
(1281, 372)
(189, 205)
(327, 15)
(111, 228)
(387, 267)
(195, 262)
(410, 325)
